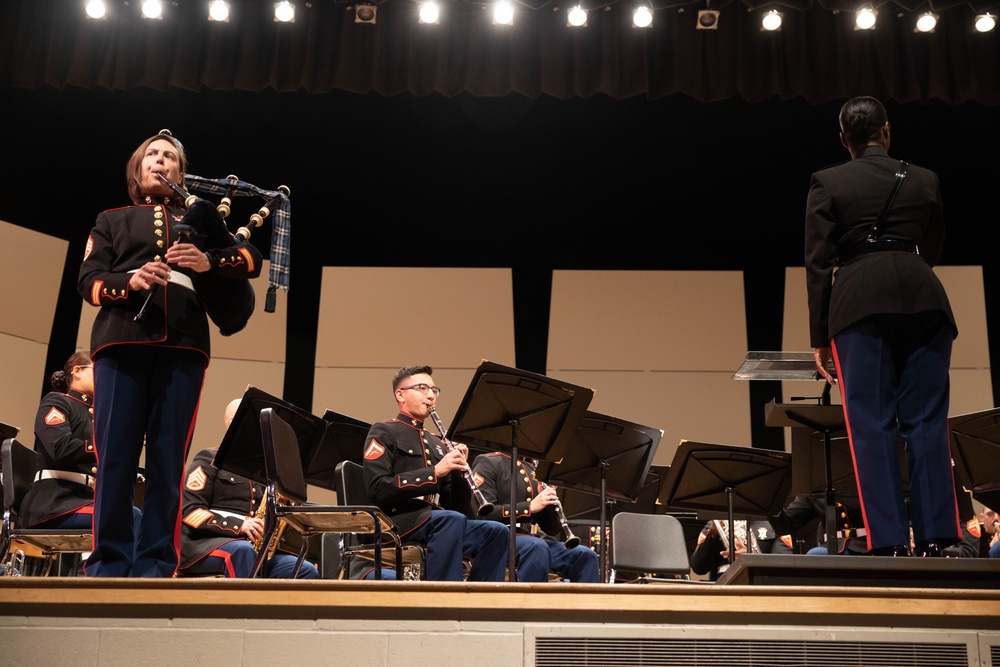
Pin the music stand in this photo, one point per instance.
(510, 409)
(342, 440)
(608, 457)
(705, 476)
(975, 446)
(7, 431)
(242, 448)
(826, 419)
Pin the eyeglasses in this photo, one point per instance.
(423, 388)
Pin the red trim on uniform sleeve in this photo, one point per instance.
(248, 258)
(197, 517)
(479, 479)
(95, 292)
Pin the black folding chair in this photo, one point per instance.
(351, 491)
(649, 544)
(287, 501)
(19, 467)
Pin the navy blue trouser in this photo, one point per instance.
(144, 395)
(449, 536)
(537, 557)
(893, 372)
(235, 560)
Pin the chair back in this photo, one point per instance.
(351, 488)
(648, 543)
(19, 467)
(282, 460)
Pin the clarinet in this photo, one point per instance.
(485, 506)
(571, 540)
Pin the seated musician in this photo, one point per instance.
(220, 523)
(62, 495)
(711, 556)
(538, 552)
(411, 476)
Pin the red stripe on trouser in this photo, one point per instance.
(850, 440)
(224, 555)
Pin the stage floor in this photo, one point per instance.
(175, 621)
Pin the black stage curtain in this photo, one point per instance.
(817, 56)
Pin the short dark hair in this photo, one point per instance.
(409, 371)
(861, 119)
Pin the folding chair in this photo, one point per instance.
(351, 491)
(649, 544)
(286, 501)
(19, 467)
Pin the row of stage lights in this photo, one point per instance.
(503, 14)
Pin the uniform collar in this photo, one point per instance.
(86, 399)
(872, 151)
(410, 419)
(159, 199)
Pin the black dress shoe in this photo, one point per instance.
(929, 549)
(897, 551)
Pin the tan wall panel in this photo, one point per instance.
(964, 285)
(647, 320)
(23, 377)
(29, 302)
(392, 317)
(704, 407)
(263, 339)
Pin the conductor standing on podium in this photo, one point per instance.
(874, 228)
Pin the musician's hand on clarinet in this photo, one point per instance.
(546, 497)
(453, 460)
(151, 273)
(464, 449)
(253, 528)
(188, 256)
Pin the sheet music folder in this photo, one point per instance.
(780, 366)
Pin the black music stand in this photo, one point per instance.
(520, 412)
(607, 456)
(7, 431)
(826, 419)
(343, 440)
(752, 482)
(242, 448)
(975, 447)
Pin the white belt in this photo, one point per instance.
(78, 477)
(178, 278)
(860, 532)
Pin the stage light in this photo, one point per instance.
(985, 22)
(708, 19)
(577, 17)
(96, 9)
(642, 17)
(865, 19)
(366, 14)
(430, 13)
(152, 9)
(771, 21)
(284, 12)
(218, 10)
(926, 23)
(503, 13)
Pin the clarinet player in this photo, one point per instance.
(538, 553)
(148, 371)
(412, 478)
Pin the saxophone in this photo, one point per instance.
(742, 534)
(258, 543)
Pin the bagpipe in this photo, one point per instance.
(230, 303)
